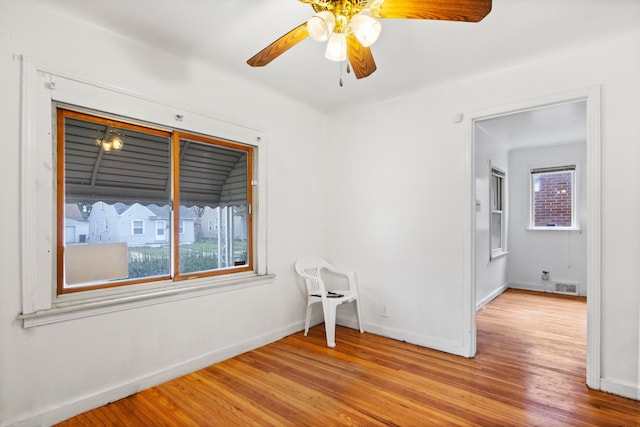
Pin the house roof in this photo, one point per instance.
(209, 175)
(163, 212)
(156, 211)
(120, 207)
(72, 211)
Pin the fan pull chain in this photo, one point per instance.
(348, 72)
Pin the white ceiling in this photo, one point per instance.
(563, 123)
(409, 53)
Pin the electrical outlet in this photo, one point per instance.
(384, 310)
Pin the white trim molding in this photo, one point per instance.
(416, 338)
(630, 391)
(493, 295)
(72, 407)
(41, 90)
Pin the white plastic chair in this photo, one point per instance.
(310, 269)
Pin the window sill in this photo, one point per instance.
(498, 254)
(64, 310)
(553, 229)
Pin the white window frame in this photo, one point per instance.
(161, 225)
(498, 206)
(41, 90)
(134, 228)
(181, 226)
(573, 169)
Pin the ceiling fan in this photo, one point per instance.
(349, 26)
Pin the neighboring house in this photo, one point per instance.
(76, 226)
(214, 223)
(210, 223)
(102, 220)
(138, 225)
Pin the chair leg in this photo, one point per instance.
(330, 324)
(357, 305)
(308, 319)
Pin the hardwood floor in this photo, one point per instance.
(529, 371)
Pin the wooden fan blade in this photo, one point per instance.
(279, 46)
(360, 57)
(446, 10)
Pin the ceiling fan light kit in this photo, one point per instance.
(336, 47)
(111, 141)
(366, 29)
(349, 26)
(320, 26)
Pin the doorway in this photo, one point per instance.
(503, 123)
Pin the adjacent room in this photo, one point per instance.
(531, 206)
(167, 163)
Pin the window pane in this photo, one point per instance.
(213, 201)
(116, 202)
(498, 206)
(137, 228)
(496, 193)
(118, 215)
(553, 199)
(160, 230)
(496, 231)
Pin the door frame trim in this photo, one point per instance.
(593, 168)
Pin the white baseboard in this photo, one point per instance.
(452, 347)
(71, 408)
(528, 286)
(630, 391)
(349, 320)
(493, 295)
(542, 287)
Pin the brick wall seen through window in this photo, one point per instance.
(553, 199)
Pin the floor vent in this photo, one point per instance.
(566, 288)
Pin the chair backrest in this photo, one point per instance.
(310, 269)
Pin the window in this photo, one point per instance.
(40, 254)
(137, 228)
(553, 198)
(160, 230)
(132, 176)
(498, 208)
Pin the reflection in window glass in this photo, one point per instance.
(213, 186)
(138, 208)
(115, 191)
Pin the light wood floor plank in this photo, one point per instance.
(529, 371)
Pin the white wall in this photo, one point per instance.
(561, 253)
(490, 274)
(397, 205)
(53, 371)
(395, 214)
